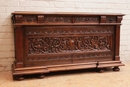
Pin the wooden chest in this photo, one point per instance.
(49, 42)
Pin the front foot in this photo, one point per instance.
(116, 68)
(40, 76)
(19, 78)
(101, 70)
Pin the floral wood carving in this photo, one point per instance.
(64, 31)
(111, 19)
(68, 44)
(57, 19)
(86, 19)
(29, 19)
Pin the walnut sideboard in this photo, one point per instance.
(50, 42)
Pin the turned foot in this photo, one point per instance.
(116, 68)
(101, 70)
(19, 78)
(40, 76)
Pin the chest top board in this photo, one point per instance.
(61, 41)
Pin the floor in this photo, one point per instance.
(81, 78)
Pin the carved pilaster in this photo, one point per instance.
(117, 43)
(19, 46)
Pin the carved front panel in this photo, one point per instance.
(68, 44)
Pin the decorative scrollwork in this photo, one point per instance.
(86, 19)
(70, 57)
(68, 44)
(111, 19)
(57, 19)
(29, 19)
(64, 31)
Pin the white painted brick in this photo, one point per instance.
(123, 48)
(49, 9)
(124, 43)
(7, 54)
(4, 3)
(13, 3)
(7, 48)
(125, 27)
(6, 65)
(32, 8)
(76, 0)
(120, 6)
(59, 4)
(78, 5)
(5, 22)
(102, 5)
(127, 58)
(126, 22)
(51, 4)
(6, 35)
(84, 10)
(124, 11)
(7, 59)
(90, 5)
(123, 37)
(2, 9)
(12, 9)
(33, 3)
(66, 10)
(6, 29)
(69, 4)
(43, 3)
(6, 41)
(110, 6)
(24, 3)
(5, 16)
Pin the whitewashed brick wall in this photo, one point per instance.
(9, 6)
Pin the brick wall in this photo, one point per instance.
(9, 6)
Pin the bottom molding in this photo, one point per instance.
(53, 68)
(109, 64)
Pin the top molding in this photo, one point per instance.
(67, 13)
(65, 18)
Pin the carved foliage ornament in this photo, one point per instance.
(111, 19)
(69, 57)
(29, 19)
(57, 19)
(64, 31)
(68, 44)
(86, 19)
